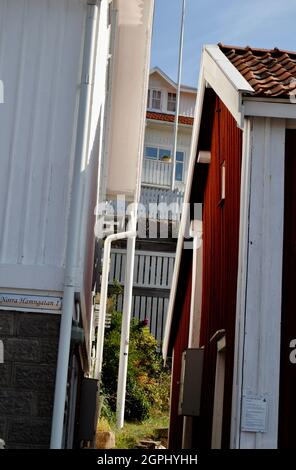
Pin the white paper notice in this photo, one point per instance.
(254, 414)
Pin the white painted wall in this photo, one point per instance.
(41, 46)
(257, 351)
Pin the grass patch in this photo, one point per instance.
(132, 433)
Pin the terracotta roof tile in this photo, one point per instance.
(169, 118)
(272, 73)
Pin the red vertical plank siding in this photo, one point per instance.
(181, 343)
(287, 411)
(220, 264)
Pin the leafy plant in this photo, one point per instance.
(147, 379)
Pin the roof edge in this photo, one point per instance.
(228, 69)
(184, 88)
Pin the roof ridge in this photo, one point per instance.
(256, 49)
(271, 72)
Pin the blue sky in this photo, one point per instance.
(257, 23)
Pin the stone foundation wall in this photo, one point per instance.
(27, 378)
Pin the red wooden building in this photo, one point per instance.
(231, 307)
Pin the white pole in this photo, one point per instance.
(178, 96)
(125, 332)
(103, 299)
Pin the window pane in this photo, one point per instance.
(156, 99)
(172, 102)
(164, 153)
(180, 156)
(148, 99)
(179, 172)
(151, 152)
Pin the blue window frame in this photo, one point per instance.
(156, 153)
(179, 176)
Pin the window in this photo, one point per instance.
(172, 99)
(165, 155)
(179, 166)
(155, 153)
(154, 99)
(151, 152)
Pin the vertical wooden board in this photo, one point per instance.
(153, 316)
(141, 270)
(147, 270)
(122, 274)
(170, 270)
(153, 271)
(165, 310)
(159, 319)
(136, 266)
(143, 308)
(112, 268)
(118, 271)
(164, 277)
(158, 272)
(137, 306)
(149, 311)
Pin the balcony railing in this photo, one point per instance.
(157, 173)
(161, 203)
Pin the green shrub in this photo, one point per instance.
(147, 380)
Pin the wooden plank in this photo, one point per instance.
(152, 271)
(141, 270)
(153, 316)
(159, 319)
(123, 262)
(143, 314)
(170, 270)
(136, 269)
(158, 272)
(164, 277)
(137, 306)
(112, 268)
(147, 270)
(117, 274)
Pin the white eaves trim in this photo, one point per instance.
(274, 109)
(238, 82)
(184, 88)
(226, 81)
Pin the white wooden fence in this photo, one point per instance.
(153, 273)
(161, 204)
(152, 269)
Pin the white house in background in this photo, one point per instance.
(64, 69)
(154, 260)
(159, 138)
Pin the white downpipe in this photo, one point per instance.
(125, 332)
(178, 96)
(74, 233)
(131, 234)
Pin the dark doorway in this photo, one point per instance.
(287, 409)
